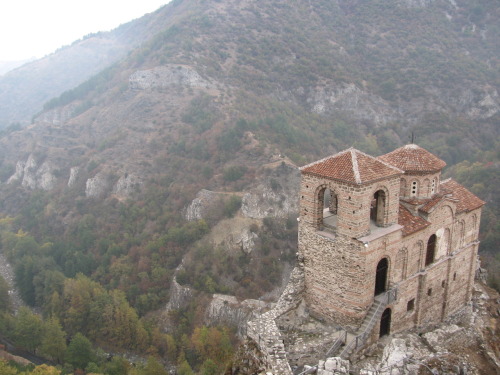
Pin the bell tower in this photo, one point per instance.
(343, 199)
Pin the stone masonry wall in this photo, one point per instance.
(334, 277)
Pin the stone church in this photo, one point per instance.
(384, 245)
(386, 234)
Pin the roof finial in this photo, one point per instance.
(412, 138)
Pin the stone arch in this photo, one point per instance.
(426, 188)
(401, 264)
(430, 252)
(385, 322)
(325, 204)
(473, 221)
(379, 206)
(445, 241)
(415, 256)
(461, 234)
(381, 276)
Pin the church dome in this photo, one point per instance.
(412, 158)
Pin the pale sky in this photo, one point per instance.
(35, 28)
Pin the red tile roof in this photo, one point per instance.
(465, 200)
(410, 223)
(413, 158)
(352, 166)
(431, 203)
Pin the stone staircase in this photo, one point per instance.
(353, 342)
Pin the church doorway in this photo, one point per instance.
(381, 276)
(385, 323)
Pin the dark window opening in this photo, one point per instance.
(385, 322)
(454, 276)
(381, 276)
(410, 305)
(443, 283)
(431, 248)
(429, 292)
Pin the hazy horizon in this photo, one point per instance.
(31, 29)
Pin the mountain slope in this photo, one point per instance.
(209, 119)
(24, 90)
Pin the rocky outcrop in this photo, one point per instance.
(277, 196)
(162, 77)
(32, 175)
(476, 103)
(127, 185)
(334, 365)
(201, 205)
(227, 310)
(348, 97)
(247, 240)
(57, 116)
(180, 296)
(97, 186)
(73, 175)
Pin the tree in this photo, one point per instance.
(79, 352)
(28, 330)
(5, 369)
(4, 296)
(53, 343)
(45, 370)
(153, 367)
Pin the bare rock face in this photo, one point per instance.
(227, 310)
(247, 240)
(18, 174)
(201, 205)
(126, 185)
(162, 77)
(57, 116)
(334, 365)
(33, 176)
(73, 175)
(349, 97)
(275, 197)
(180, 296)
(97, 186)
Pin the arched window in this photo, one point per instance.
(414, 188)
(326, 209)
(431, 250)
(377, 208)
(330, 202)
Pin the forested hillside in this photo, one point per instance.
(96, 196)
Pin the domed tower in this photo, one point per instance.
(345, 199)
(422, 171)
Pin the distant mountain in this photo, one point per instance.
(6, 66)
(24, 90)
